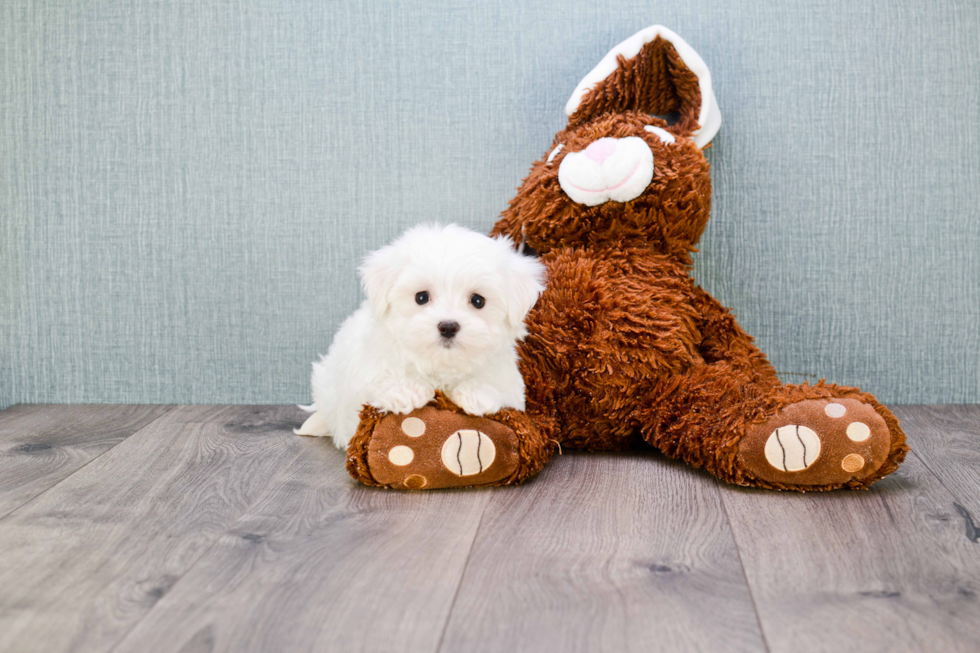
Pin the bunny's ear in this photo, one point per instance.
(654, 71)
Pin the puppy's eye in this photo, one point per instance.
(477, 301)
(422, 297)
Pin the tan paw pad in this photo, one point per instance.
(468, 452)
(401, 455)
(413, 427)
(835, 410)
(858, 431)
(792, 448)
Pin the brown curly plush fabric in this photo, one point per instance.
(623, 347)
(655, 81)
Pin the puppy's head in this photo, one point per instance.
(449, 294)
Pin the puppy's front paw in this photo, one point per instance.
(404, 397)
(476, 400)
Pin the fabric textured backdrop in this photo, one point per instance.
(186, 187)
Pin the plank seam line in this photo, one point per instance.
(462, 575)
(48, 489)
(925, 463)
(741, 564)
(193, 565)
(956, 499)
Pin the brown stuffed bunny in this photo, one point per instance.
(623, 347)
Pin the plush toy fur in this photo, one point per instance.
(623, 347)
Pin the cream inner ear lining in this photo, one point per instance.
(554, 153)
(709, 116)
(664, 135)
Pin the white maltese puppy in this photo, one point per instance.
(445, 310)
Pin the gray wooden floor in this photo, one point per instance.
(214, 528)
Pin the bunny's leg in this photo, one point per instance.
(732, 417)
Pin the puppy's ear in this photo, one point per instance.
(525, 281)
(379, 273)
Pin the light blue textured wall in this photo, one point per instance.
(185, 187)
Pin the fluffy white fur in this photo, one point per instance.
(390, 353)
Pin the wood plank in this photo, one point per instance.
(42, 444)
(888, 569)
(947, 440)
(83, 562)
(606, 552)
(322, 563)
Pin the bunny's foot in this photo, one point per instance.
(821, 444)
(439, 446)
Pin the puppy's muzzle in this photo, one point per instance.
(448, 329)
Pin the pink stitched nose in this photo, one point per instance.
(601, 149)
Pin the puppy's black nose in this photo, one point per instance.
(448, 329)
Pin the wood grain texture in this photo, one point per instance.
(322, 563)
(41, 445)
(623, 552)
(85, 561)
(947, 440)
(213, 528)
(888, 569)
